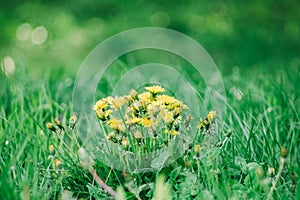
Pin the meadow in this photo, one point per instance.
(258, 149)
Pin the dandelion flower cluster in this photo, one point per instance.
(132, 116)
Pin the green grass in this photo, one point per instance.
(262, 117)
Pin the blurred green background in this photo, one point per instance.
(55, 36)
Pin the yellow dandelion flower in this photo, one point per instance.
(146, 121)
(200, 125)
(103, 115)
(131, 121)
(167, 131)
(174, 132)
(166, 99)
(177, 111)
(177, 106)
(116, 124)
(101, 104)
(155, 89)
(145, 97)
(118, 102)
(211, 115)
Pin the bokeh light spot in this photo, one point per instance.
(23, 32)
(39, 35)
(8, 65)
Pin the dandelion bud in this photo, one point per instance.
(58, 123)
(50, 126)
(211, 115)
(56, 162)
(271, 171)
(133, 94)
(188, 120)
(283, 152)
(197, 148)
(260, 173)
(72, 121)
(110, 135)
(187, 163)
(200, 125)
(51, 149)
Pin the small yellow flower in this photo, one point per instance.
(173, 132)
(166, 99)
(57, 122)
(73, 119)
(103, 115)
(200, 125)
(155, 89)
(125, 142)
(51, 148)
(146, 121)
(110, 135)
(145, 97)
(211, 115)
(50, 126)
(131, 121)
(56, 162)
(101, 104)
(167, 131)
(116, 124)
